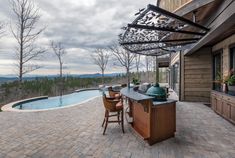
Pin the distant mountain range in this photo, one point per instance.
(10, 78)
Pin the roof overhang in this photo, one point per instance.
(157, 32)
(192, 6)
(222, 25)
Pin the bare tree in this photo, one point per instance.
(101, 59)
(26, 34)
(125, 59)
(153, 65)
(1, 29)
(150, 65)
(147, 64)
(137, 64)
(60, 52)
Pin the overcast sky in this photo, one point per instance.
(81, 25)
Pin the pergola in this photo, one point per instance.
(157, 32)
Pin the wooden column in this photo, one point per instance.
(157, 70)
(182, 83)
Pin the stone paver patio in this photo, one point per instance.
(77, 132)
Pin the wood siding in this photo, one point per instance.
(196, 70)
(197, 76)
(173, 5)
(224, 45)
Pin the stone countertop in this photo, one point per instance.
(221, 92)
(156, 103)
(130, 93)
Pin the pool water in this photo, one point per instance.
(59, 101)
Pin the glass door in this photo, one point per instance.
(232, 58)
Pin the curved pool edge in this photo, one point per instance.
(86, 89)
(10, 107)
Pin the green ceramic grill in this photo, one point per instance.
(157, 92)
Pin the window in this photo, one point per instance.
(232, 58)
(217, 70)
(175, 77)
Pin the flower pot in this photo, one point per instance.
(218, 86)
(231, 88)
(225, 88)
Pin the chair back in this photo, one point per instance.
(108, 105)
(112, 93)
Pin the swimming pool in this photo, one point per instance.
(59, 101)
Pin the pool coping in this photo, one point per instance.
(10, 106)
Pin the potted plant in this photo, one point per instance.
(135, 81)
(230, 81)
(218, 82)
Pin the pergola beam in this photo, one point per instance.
(160, 41)
(172, 15)
(164, 29)
(162, 48)
(148, 49)
(148, 54)
(158, 54)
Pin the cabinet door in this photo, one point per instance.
(213, 102)
(219, 106)
(232, 118)
(226, 109)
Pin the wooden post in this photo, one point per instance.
(157, 70)
(182, 84)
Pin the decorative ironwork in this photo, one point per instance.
(156, 31)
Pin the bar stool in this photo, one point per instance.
(113, 106)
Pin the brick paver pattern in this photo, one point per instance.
(77, 132)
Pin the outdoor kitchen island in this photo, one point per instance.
(154, 121)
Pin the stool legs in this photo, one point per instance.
(122, 122)
(104, 118)
(118, 117)
(106, 121)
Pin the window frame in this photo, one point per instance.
(232, 56)
(214, 54)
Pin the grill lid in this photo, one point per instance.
(157, 92)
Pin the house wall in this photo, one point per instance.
(224, 45)
(196, 71)
(196, 74)
(196, 66)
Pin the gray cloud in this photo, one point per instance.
(81, 25)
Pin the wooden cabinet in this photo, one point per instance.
(226, 111)
(219, 105)
(232, 114)
(213, 101)
(224, 105)
(156, 124)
